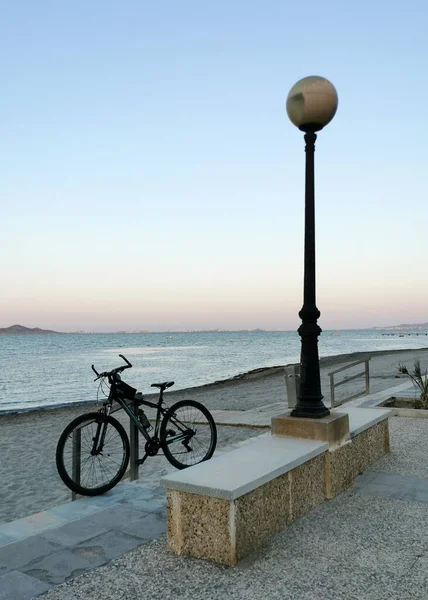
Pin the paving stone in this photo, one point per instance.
(6, 539)
(159, 491)
(143, 492)
(116, 515)
(86, 505)
(416, 495)
(146, 528)
(383, 491)
(19, 586)
(389, 479)
(105, 547)
(76, 531)
(58, 567)
(155, 503)
(420, 483)
(363, 479)
(390, 485)
(74, 510)
(118, 493)
(25, 551)
(23, 528)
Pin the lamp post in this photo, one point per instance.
(311, 105)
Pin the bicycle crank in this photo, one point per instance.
(151, 448)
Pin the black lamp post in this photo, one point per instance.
(311, 104)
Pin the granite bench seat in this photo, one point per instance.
(236, 473)
(362, 419)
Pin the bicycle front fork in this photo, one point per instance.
(99, 438)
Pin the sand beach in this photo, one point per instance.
(29, 480)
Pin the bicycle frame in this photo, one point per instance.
(160, 411)
(185, 434)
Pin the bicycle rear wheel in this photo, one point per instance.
(85, 468)
(188, 434)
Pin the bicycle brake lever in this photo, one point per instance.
(96, 372)
(100, 375)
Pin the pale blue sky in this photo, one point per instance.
(151, 179)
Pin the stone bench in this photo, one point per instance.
(227, 507)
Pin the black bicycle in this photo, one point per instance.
(93, 451)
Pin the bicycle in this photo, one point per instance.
(93, 451)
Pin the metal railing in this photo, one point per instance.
(334, 385)
(132, 472)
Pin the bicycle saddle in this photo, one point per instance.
(163, 386)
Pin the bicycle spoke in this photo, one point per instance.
(99, 469)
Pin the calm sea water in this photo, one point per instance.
(51, 370)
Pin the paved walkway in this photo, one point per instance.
(45, 549)
(41, 551)
(48, 548)
(261, 416)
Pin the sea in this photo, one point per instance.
(46, 371)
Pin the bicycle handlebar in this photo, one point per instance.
(113, 371)
(126, 360)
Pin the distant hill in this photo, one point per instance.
(403, 326)
(21, 330)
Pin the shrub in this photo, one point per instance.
(419, 380)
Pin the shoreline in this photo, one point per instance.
(254, 374)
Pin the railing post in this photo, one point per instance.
(133, 442)
(76, 456)
(331, 390)
(333, 385)
(367, 377)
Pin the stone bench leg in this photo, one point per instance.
(225, 530)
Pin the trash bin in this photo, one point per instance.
(292, 382)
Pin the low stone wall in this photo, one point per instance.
(345, 462)
(225, 529)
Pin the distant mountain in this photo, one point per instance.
(21, 330)
(402, 326)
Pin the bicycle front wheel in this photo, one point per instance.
(188, 434)
(92, 454)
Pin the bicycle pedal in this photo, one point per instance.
(141, 461)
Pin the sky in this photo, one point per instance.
(151, 178)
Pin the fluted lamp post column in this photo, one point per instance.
(311, 105)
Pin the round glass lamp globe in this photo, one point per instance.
(312, 103)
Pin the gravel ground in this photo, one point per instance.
(409, 449)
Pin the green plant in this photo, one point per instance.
(419, 379)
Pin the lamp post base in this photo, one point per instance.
(333, 429)
(309, 399)
(311, 408)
